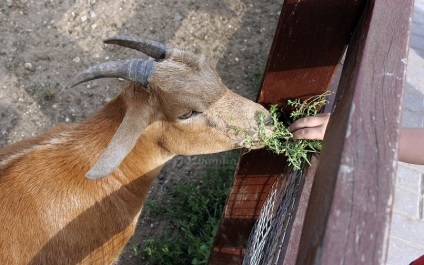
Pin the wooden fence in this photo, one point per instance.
(343, 211)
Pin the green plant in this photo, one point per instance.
(194, 211)
(43, 93)
(281, 140)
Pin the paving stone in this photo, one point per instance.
(419, 168)
(415, 80)
(407, 202)
(422, 209)
(413, 100)
(402, 253)
(417, 28)
(412, 90)
(412, 119)
(408, 177)
(418, 10)
(409, 229)
(414, 73)
(417, 42)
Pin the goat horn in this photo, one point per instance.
(137, 70)
(151, 48)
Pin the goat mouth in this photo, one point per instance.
(252, 144)
(255, 146)
(252, 139)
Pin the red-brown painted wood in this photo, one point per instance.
(256, 173)
(309, 41)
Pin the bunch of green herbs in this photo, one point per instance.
(281, 140)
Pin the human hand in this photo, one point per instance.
(311, 128)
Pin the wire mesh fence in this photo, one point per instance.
(268, 234)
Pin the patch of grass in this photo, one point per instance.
(43, 93)
(281, 140)
(257, 79)
(194, 211)
(46, 94)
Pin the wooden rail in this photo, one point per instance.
(349, 211)
(345, 218)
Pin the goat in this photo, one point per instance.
(73, 194)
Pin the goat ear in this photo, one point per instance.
(124, 140)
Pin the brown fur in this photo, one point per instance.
(51, 214)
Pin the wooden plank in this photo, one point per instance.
(290, 248)
(243, 207)
(348, 217)
(309, 41)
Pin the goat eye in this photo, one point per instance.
(186, 115)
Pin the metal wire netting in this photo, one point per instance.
(268, 234)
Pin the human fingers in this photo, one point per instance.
(310, 133)
(310, 122)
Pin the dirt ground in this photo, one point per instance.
(43, 44)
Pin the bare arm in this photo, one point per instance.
(411, 145)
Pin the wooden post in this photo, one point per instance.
(349, 211)
(309, 42)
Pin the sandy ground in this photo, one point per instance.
(44, 43)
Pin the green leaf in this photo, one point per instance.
(281, 140)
